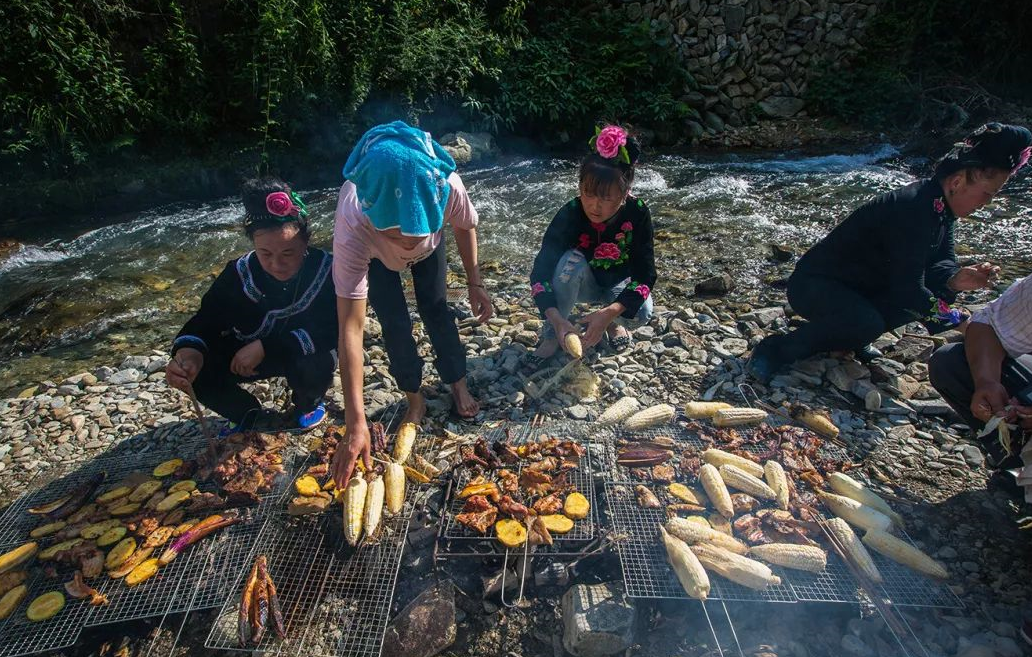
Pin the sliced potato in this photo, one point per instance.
(173, 500)
(129, 564)
(143, 572)
(45, 606)
(82, 514)
(186, 484)
(120, 553)
(114, 494)
(557, 523)
(511, 533)
(98, 529)
(48, 529)
(307, 486)
(10, 600)
(51, 552)
(111, 536)
(576, 506)
(144, 490)
(167, 468)
(126, 509)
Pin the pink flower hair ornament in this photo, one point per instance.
(1022, 159)
(938, 205)
(281, 204)
(611, 142)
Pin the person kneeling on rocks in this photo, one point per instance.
(990, 373)
(271, 312)
(597, 249)
(892, 261)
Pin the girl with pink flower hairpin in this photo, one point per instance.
(598, 249)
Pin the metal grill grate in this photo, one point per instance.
(907, 588)
(20, 636)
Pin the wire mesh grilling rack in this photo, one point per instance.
(20, 636)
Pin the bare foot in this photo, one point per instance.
(464, 402)
(547, 348)
(416, 408)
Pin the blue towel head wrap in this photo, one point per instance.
(401, 176)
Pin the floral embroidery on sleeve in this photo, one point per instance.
(539, 288)
(640, 288)
(584, 241)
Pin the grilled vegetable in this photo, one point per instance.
(120, 553)
(791, 555)
(129, 564)
(698, 410)
(114, 494)
(98, 529)
(167, 468)
(246, 600)
(189, 485)
(684, 493)
(197, 532)
(274, 607)
(404, 441)
(686, 566)
(734, 417)
(184, 527)
(774, 474)
(45, 606)
(619, 411)
(511, 533)
(855, 513)
(50, 552)
(557, 523)
(82, 514)
(10, 600)
(653, 416)
(718, 457)
(720, 523)
(715, 489)
(853, 548)
(172, 500)
(47, 529)
(143, 572)
(735, 567)
(78, 498)
(159, 536)
(11, 579)
(684, 507)
(573, 345)
(77, 588)
(641, 457)
(417, 462)
(415, 475)
(816, 420)
(307, 485)
(847, 486)
(576, 506)
(737, 478)
(111, 536)
(694, 532)
(259, 609)
(354, 509)
(18, 556)
(479, 487)
(903, 552)
(646, 498)
(51, 506)
(144, 490)
(373, 511)
(394, 487)
(126, 509)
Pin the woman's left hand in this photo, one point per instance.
(247, 359)
(595, 325)
(480, 303)
(974, 277)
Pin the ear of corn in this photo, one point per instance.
(404, 441)
(698, 410)
(718, 457)
(856, 513)
(619, 411)
(686, 566)
(791, 555)
(715, 489)
(816, 420)
(845, 485)
(775, 477)
(733, 417)
(653, 416)
(394, 487)
(854, 549)
(354, 506)
(903, 552)
(694, 532)
(735, 567)
(573, 345)
(373, 506)
(741, 480)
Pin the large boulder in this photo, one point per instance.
(479, 145)
(425, 627)
(781, 107)
(598, 620)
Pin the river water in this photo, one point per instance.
(76, 296)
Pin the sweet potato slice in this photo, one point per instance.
(10, 600)
(47, 529)
(576, 506)
(143, 572)
(114, 494)
(173, 500)
(144, 490)
(511, 533)
(557, 523)
(187, 484)
(167, 468)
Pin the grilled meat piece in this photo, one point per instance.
(77, 588)
(663, 473)
(546, 464)
(529, 451)
(478, 521)
(320, 470)
(560, 484)
(535, 483)
(482, 450)
(202, 502)
(511, 507)
(690, 465)
(505, 452)
(548, 505)
(477, 503)
(638, 457)
(750, 529)
(570, 448)
(684, 507)
(538, 533)
(469, 457)
(743, 503)
(508, 481)
(646, 498)
(377, 437)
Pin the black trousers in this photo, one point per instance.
(388, 300)
(839, 318)
(950, 374)
(309, 377)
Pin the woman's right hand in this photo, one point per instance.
(562, 327)
(345, 456)
(184, 368)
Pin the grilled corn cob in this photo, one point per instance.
(791, 555)
(698, 410)
(733, 417)
(373, 511)
(738, 569)
(845, 485)
(653, 416)
(573, 345)
(354, 505)
(686, 566)
(855, 513)
(619, 411)
(715, 489)
(403, 442)
(816, 420)
(737, 478)
(394, 487)
(903, 552)
(719, 457)
(774, 474)
(854, 549)
(694, 532)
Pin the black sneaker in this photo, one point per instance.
(868, 353)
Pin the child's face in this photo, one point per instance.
(281, 251)
(601, 205)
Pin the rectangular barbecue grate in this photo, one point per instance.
(20, 636)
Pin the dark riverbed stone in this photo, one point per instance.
(425, 627)
(598, 620)
(719, 285)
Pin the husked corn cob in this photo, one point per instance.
(719, 457)
(856, 513)
(573, 345)
(373, 511)
(394, 487)
(698, 410)
(816, 420)
(694, 533)
(733, 417)
(791, 555)
(738, 478)
(903, 552)
(653, 416)
(686, 566)
(845, 485)
(774, 474)
(715, 489)
(405, 440)
(354, 506)
(741, 570)
(624, 408)
(855, 550)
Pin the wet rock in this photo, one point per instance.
(781, 253)
(781, 107)
(425, 627)
(716, 285)
(598, 620)
(459, 149)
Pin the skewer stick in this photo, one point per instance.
(212, 446)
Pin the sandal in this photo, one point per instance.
(620, 342)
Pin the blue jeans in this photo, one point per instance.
(574, 283)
